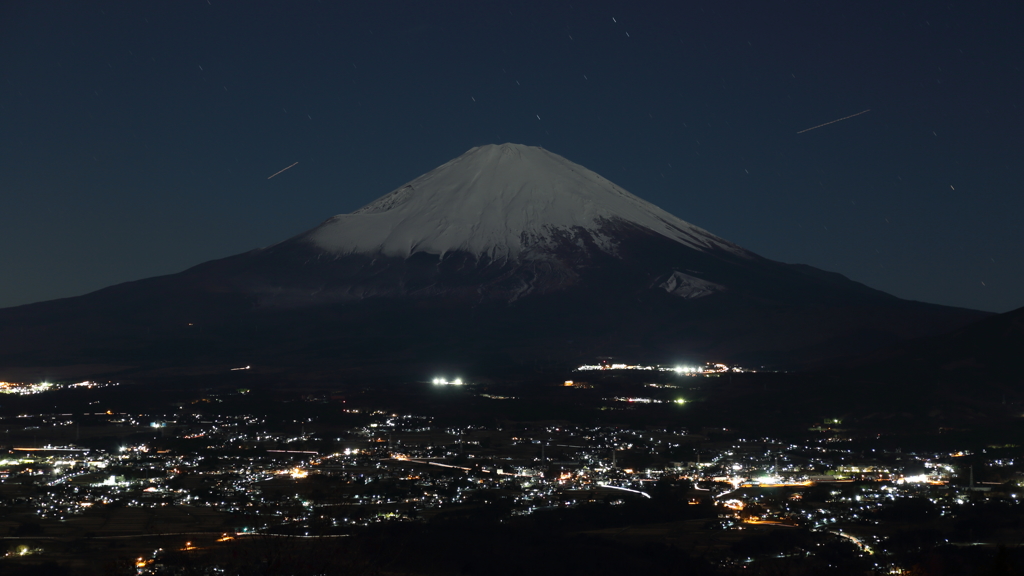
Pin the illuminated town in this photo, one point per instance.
(153, 488)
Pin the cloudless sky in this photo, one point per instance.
(136, 138)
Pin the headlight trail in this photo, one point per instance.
(644, 494)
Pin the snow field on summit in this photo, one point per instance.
(501, 201)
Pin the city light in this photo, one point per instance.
(26, 388)
(262, 463)
(686, 370)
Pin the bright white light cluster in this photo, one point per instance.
(20, 388)
(643, 400)
(676, 369)
(445, 382)
(615, 367)
(40, 387)
(917, 479)
(687, 369)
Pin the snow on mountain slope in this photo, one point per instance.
(502, 201)
(689, 287)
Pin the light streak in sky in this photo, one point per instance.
(834, 121)
(281, 170)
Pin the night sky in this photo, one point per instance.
(136, 138)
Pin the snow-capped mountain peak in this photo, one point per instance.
(501, 201)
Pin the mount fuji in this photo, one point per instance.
(508, 257)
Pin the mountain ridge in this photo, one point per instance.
(449, 276)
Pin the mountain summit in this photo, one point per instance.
(508, 257)
(503, 201)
